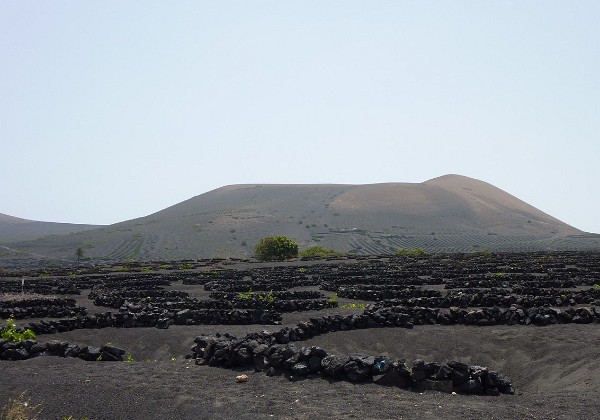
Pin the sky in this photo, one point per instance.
(112, 110)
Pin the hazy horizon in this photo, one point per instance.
(114, 111)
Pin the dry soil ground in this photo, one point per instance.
(555, 369)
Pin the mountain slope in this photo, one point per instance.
(449, 213)
(16, 229)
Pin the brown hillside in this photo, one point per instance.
(449, 213)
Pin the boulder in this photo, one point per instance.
(108, 357)
(393, 378)
(333, 366)
(501, 382)
(460, 373)
(381, 365)
(72, 350)
(117, 351)
(90, 353)
(15, 354)
(472, 386)
(243, 356)
(443, 372)
(358, 369)
(300, 369)
(434, 385)
(53, 347)
(314, 364)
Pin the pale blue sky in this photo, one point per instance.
(111, 110)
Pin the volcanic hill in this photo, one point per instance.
(451, 213)
(16, 229)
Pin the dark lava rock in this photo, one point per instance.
(356, 370)
(333, 366)
(90, 353)
(300, 369)
(472, 386)
(15, 354)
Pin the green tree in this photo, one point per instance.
(276, 248)
(79, 253)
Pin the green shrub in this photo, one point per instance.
(245, 295)
(485, 252)
(318, 251)
(268, 298)
(412, 251)
(354, 306)
(333, 298)
(276, 248)
(10, 332)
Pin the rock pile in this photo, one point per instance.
(28, 349)
(40, 308)
(263, 353)
(159, 319)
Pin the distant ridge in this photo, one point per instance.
(451, 213)
(17, 229)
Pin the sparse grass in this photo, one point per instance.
(333, 298)
(20, 408)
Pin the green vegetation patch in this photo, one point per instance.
(319, 251)
(411, 251)
(10, 333)
(276, 248)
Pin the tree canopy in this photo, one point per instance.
(276, 248)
